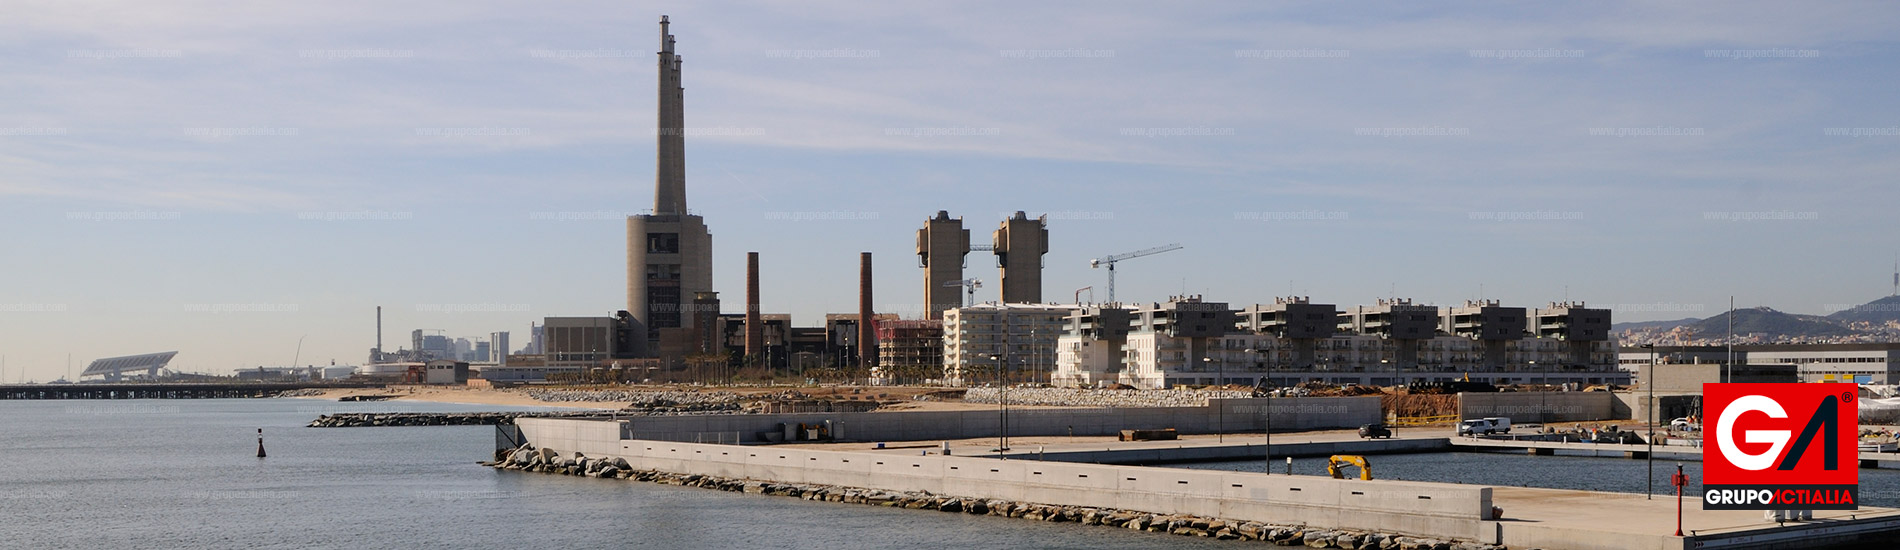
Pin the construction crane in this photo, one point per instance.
(969, 287)
(1110, 262)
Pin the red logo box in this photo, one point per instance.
(1780, 446)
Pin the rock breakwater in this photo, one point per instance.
(1083, 397)
(363, 420)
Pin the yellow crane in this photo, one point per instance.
(1334, 464)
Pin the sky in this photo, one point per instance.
(245, 182)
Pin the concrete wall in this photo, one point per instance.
(1236, 451)
(1417, 508)
(1522, 407)
(1235, 415)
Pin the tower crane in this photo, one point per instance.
(1111, 259)
(969, 288)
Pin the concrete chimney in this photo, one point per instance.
(379, 328)
(867, 333)
(754, 329)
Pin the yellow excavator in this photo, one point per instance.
(1334, 464)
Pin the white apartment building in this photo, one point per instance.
(979, 340)
(1157, 349)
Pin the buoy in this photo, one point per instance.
(260, 443)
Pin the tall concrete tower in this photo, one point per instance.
(754, 327)
(1019, 244)
(669, 251)
(941, 246)
(867, 329)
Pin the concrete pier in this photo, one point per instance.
(1515, 517)
(158, 391)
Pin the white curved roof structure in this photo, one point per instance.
(114, 366)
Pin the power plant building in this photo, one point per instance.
(669, 251)
(1019, 245)
(941, 246)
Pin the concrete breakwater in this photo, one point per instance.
(528, 458)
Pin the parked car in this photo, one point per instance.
(1683, 425)
(1375, 430)
(1484, 426)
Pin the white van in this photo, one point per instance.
(1485, 426)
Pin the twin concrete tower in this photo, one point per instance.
(1019, 245)
(669, 251)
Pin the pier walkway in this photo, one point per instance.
(1516, 517)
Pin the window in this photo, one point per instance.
(663, 272)
(663, 243)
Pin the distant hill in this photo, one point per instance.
(1654, 324)
(1877, 312)
(1767, 320)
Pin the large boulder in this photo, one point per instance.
(977, 507)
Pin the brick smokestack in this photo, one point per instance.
(754, 329)
(867, 334)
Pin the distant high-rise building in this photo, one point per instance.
(1019, 245)
(498, 347)
(536, 344)
(428, 347)
(941, 246)
(669, 251)
(460, 349)
(483, 352)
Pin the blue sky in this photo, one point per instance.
(226, 178)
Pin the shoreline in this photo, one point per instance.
(464, 396)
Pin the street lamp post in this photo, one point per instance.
(1220, 409)
(1002, 408)
(1543, 397)
(1649, 383)
(1268, 469)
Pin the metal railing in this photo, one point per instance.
(1415, 421)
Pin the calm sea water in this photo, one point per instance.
(1879, 488)
(183, 474)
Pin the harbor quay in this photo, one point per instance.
(1061, 470)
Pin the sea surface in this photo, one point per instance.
(184, 474)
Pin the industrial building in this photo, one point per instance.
(941, 246)
(669, 251)
(985, 340)
(1872, 363)
(1019, 245)
(445, 372)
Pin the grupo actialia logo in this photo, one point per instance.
(1781, 447)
